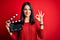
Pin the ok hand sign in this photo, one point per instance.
(39, 16)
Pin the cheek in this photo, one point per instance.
(25, 11)
(29, 12)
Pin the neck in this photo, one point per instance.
(27, 19)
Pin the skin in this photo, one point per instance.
(27, 13)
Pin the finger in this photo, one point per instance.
(43, 14)
(8, 22)
(36, 16)
(38, 12)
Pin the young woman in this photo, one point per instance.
(31, 26)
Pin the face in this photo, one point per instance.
(27, 11)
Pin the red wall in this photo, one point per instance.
(51, 8)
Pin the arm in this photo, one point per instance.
(40, 25)
(39, 30)
(39, 17)
(12, 34)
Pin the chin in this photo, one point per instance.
(27, 15)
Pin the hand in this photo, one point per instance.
(7, 26)
(9, 21)
(39, 16)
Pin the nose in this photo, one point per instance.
(28, 11)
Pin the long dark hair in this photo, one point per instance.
(31, 16)
(23, 16)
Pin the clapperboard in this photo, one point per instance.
(15, 25)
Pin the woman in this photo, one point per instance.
(31, 27)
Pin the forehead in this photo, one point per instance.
(27, 7)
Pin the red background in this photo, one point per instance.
(51, 8)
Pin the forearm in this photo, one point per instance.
(8, 30)
(41, 23)
(13, 35)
